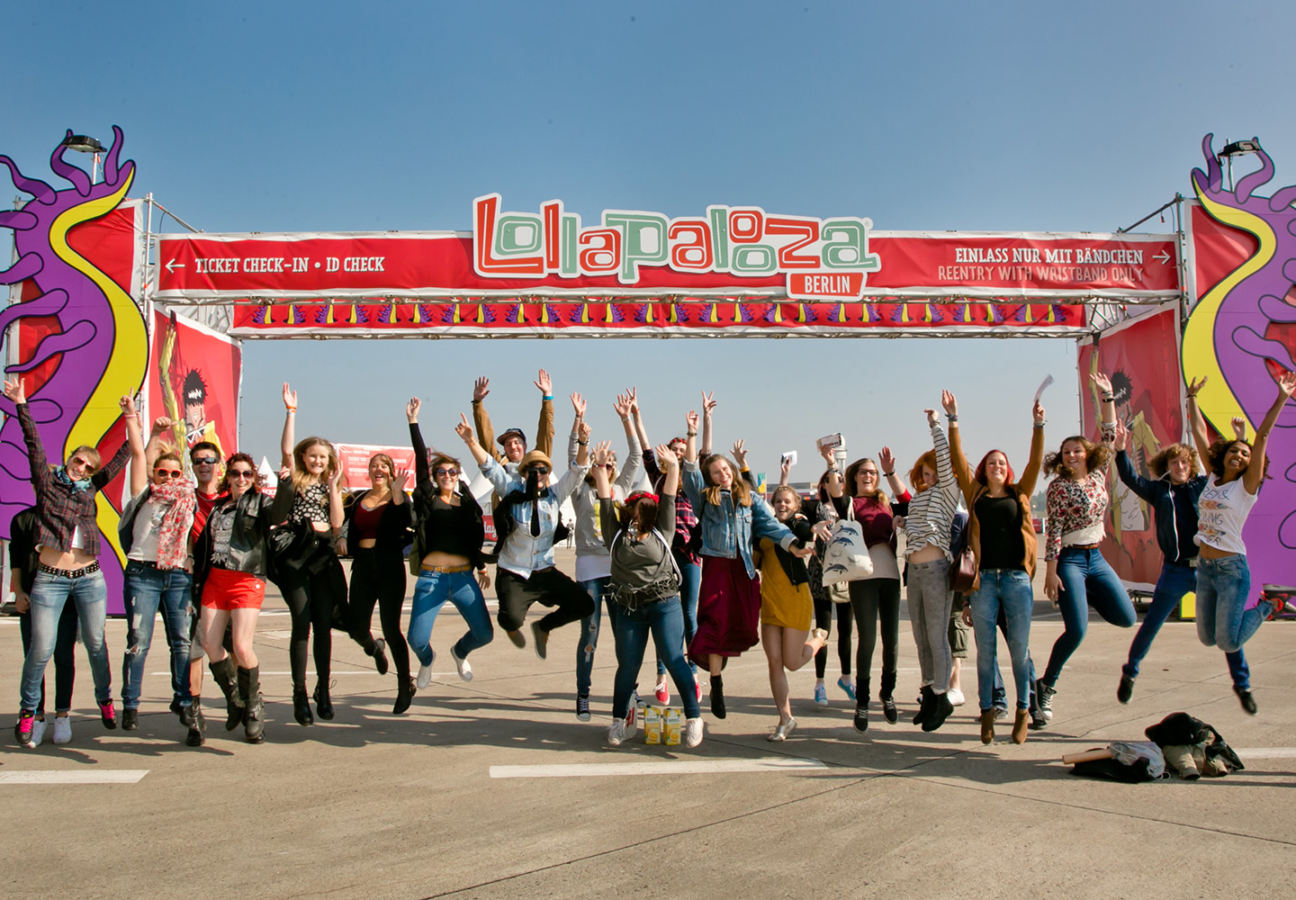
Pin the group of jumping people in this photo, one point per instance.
(676, 543)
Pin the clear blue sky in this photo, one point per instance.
(290, 116)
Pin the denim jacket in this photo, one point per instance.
(523, 553)
(728, 530)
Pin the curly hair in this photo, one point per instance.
(1219, 449)
(229, 464)
(1096, 456)
(1159, 464)
(787, 489)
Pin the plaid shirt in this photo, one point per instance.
(60, 509)
(686, 521)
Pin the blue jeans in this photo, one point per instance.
(49, 595)
(597, 588)
(1008, 590)
(431, 591)
(1175, 581)
(666, 621)
(1087, 580)
(147, 591)
(1222, 589)
(690, 586)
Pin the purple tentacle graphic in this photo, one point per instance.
(74, 338)
(75, 174)
(47, 304)
(29, 265)
(34, 186)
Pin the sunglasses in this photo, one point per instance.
(872, 472)
(242, 473)
(205, 461)
(173, 474)
(540, 470)
(84, 463)
(442, 471)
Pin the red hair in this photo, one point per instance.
(915, 474)
(979, 475)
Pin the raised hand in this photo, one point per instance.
(931, 416)
(949, 403)
(829, 454)
(399, 481)
(543, 383)
(886, 459)
(622, 405)
(1287, 383)
(602, 452)
(1122, 435)
(161, 425)
(127, 404)
(1101, 381)
(634, 401)
(14, 391)
(1194, 386)
(465, 431)
(785, 468)
(335, 479)
(708, 403)
(289, 397)
(666, 458)
(739, 454)
(1037, 413)
(412, 407)
(481, 387)
(285, 474)
(1239, 428)
(583, 432)
(692, 420)
(578, 404)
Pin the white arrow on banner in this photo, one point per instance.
(1164, 257)
(172, 265)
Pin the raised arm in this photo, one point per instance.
(1255, 469)
(422, 476)
(633, 465)
(573, 439)
(288, 438)
(886, 459)
(834, 484)
(1108, 402)
(708, 407)
(139, 462)
(545, 427)
(957, 460)
(336, 513)
(17, 395)
(465, 432)
(1197, 424)
(1026, 484)
(162, 425)
(944, 470)
(481, 418)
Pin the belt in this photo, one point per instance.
(1080, 547)
(69, 573)
(153, 565)
(445, 570)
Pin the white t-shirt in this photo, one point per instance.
(1221, 513)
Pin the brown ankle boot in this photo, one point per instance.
(1020, 722)
(987, 726)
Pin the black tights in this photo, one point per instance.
(379, 578)
(874, 600)
(823, 610)
(311, 597)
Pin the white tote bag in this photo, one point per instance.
(847, 556)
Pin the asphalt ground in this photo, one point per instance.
(492, 788)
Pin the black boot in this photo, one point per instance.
(254, 717)
(301, 706)
(404, 695)
(887, 696)
(941, 709)
(323, 705)
(717, 697)
(197, 728)
(379, 654)
(227, 677)
(928, 705)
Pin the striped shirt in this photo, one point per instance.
(931, 511)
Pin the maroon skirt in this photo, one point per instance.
(728, 616)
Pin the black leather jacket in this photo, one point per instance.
(255, 513)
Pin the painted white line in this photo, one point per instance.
(656, 767)
(91, 776)
(1246, 753)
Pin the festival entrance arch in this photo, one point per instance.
(725, 272)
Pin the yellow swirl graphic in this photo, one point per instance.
(128, 361)
(1216, 400)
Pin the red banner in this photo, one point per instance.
(912, 264)
(194, 380)
(452, 319)
(355, 463)
(1142, 359)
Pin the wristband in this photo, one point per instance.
(1108, 398)
(890, 474)
(291, 409)
(1039, 424)
(130, 415)
(691, 433)
(952, 418)
(582, 443)
(546, 397)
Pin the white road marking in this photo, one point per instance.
(656, 767)
(90, 776)
(1246, 753)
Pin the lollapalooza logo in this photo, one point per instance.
(1243, 332)
(823, 259)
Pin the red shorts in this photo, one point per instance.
(227, 589)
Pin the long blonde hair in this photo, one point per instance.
(301, 479)
(740, 489)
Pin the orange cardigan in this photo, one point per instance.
(1023, 489)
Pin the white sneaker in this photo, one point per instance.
(693, 732)
(62, 730)
(632, 719)
(955, 696)
(425, 673)
(38, 732)
(616, 733)
(464, 667)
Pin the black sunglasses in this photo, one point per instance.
(442, 471)
(242, 473)
(205, 461)
(540, 470)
